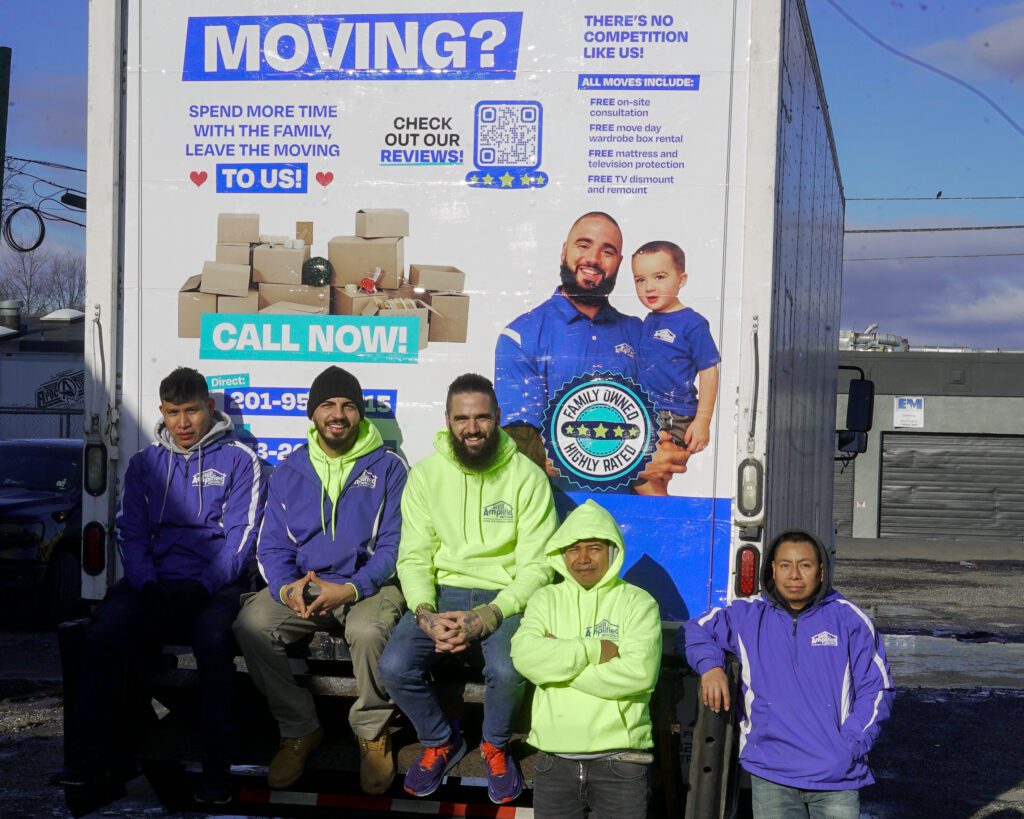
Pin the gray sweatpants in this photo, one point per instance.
(265, 628)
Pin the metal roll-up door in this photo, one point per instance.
(842, 497)
(952, 486)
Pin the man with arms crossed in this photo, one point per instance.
(816, 684)
(476, 516)
(592, 646)
(331, 531)
(186, 528)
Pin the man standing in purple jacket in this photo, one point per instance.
(327, 549)
(816, 684)
(186, 528)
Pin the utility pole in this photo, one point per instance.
(5, 96)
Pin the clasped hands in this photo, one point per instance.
(453, 631)
(332, 596)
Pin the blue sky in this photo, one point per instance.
(900, 131)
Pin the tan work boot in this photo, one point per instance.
(290, 759)
(376, 764)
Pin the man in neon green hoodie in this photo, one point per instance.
(475, 518)
(592, 646)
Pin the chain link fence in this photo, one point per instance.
(27, 422)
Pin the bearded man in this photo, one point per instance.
(476, 516)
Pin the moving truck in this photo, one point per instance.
(275, 187)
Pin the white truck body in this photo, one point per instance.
(297, 113)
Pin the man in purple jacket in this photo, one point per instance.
(816, 684)
(186, 528)
(327, 550)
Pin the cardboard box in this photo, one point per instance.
(354, 258)
(450, 318)
(191, 306)
(295, 293)
(376, 223)
(437, 277)
(236, 304)
(273, 239)
(294, 308)
(238, 228)
(304, 231)
(225, 279)
(344, 303)
(278, 265)
(421, 312)
(234, 253)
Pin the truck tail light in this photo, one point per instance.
(750, 488)
(95, 469)
(94, 553)
(748, 560)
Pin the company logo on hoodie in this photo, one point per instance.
(823, 638)
(603, 631)
(367, 480)
(211, 477)
(499, 512)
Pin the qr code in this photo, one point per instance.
(508, 134)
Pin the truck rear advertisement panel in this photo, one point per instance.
(396, 189)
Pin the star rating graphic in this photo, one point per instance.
(499, 178)
(597, 431)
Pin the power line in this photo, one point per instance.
(930, 199)
(46, 163)
(937, 256)
(936, 229)
(927, 66)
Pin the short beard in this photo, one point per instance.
(594, 297)
(477, 461)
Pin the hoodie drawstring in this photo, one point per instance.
(200, 514)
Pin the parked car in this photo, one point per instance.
(41, 522)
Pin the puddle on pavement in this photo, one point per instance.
(937, 662)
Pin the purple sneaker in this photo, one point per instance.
(425, 776)
(504, 781)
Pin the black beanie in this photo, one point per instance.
(335, 382)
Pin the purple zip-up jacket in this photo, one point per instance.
(816, 686)
(191, 515)
(296, 536)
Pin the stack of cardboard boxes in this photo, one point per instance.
(259, 273)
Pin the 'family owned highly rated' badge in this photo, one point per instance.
(599, 431)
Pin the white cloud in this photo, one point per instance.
(995, 50)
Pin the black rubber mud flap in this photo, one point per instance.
(713, 767)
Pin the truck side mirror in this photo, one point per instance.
(860, 406)
(850, 442)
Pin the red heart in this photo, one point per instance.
(324, 178)
(198, 177)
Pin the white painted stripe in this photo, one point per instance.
(845, 704)
(748, 697)
(292, 798)
(411, 806)
(508, 332)
(371, 547)
(708, 616)
(259, 563)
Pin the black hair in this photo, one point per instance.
(184, 385)
(796, 536)
(470, 382)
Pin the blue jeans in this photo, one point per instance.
(410, 654)
(567, 788)
(772, 801)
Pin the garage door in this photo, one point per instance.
(953, 486)
(842, 497)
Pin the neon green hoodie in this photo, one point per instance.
(582, 705)
(475, 530)
(333, 472)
